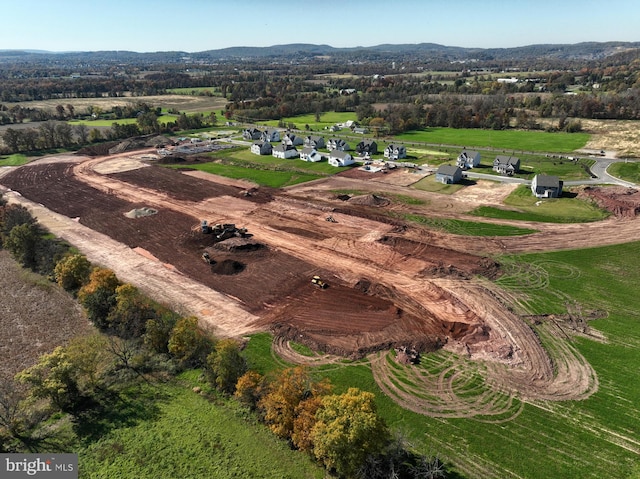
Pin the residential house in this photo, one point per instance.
(285, 151)
(367, 146)
(361, 130)
(292, 140)
(395, 152)
(546, 186)
(251, 134)
(448, 174)
(468, 159)
(314, 141)
(340, 158)
(309, 153)
(506, 165)
(260, 147)
(335, 128)
(270, 135)
(338, 144)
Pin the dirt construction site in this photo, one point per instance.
(389, 283)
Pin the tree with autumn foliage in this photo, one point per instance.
(284, 394)
(188, 344)
(249, 389)
(347, 431)
(225, 365)
(72, 272)
(98, 296)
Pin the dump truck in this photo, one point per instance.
(316, 281)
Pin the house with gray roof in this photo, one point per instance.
(260, 147)
(395, 152)
(271, 135)
(546, 186)
(340, 158)
(314, 141)
(292, 140)
(338, 144)
(448, 174)
(468, 159)
(506, 165)
(285, 151)
(251, 134)
(309, 153)
(367, 146)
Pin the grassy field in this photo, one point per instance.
(468, 228)
(429, 183)
(326, 119)
(511, 140)
(524, 206)
(595, 437)
(16, 159)
(184, 435)
(626, 171)
(122, 121)
(196, 91)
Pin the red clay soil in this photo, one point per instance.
(347, 318)
(620, 201)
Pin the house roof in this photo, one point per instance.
(284, 147)
(469, 153)
(548, 181)
(507, 160)
(448, 170)
(339, 154)
(307, 150)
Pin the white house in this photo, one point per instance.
(292, 140)
(271, 135)
(395, 152)
(310, 154)
(314, 141)
(340, 158)
(546, 186)
(261, 148)
(338, 144)
(285, 151)
(468, 159)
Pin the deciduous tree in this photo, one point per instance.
(225, 365)
(72, 272)
(188, 343)
(98, 296)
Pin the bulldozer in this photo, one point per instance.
(316, 281)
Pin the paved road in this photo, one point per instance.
(599, 170)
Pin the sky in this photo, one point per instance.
(198, 25)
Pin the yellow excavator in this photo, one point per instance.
(318, 282)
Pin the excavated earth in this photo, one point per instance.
(389, 283)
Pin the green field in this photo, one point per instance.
(595, 437)
(522, 205)
(183, 435)
(626, 171)
(196, 91)
(122, 121)
(511, 140)
(16, 159)
(429, 183)
(326, 119)
(468, 228)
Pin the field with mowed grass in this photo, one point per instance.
(626, 171)
(326, 119)
(509, 140)
(594, 437)
(522, 205)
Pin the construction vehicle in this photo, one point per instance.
(316, 281)
(206, 258)
(330, 219)
(222, 231)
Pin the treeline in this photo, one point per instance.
(139, 341)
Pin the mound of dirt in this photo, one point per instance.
(239, 244)
(228, 267)
(141, 212)
(369, 200)
(620, 201)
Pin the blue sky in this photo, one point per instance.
(197, 25)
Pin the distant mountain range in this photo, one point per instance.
(585, 51)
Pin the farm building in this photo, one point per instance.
(290, 139)
(448, 174)
(310, 154)
(285, 151)
(360, 130)
(314, 141)
(338, 144)
(395, 152)
(506, 165)
(367, 146)
(270, 135)
(260, 147)
(544, 186)
(468, 159)
(251, 134)
(340, 158)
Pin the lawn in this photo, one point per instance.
(595, 437)
(16, 159)
(326, 119)
(429, 183)
(628, 171)
(511, 140)
(526, 207)
(185, 435)
(122, 121)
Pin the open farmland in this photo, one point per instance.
(392, 282)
